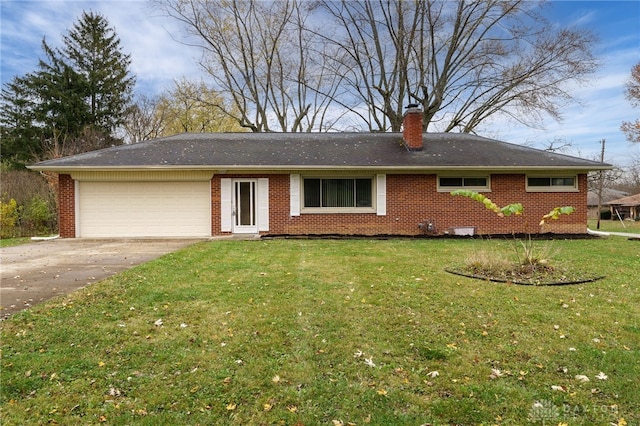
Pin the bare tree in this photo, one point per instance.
(258, 55)
(188, 107)
(462, 61)
(629, 181)
(146, 120)
(291, 65)
(194, 107)
(558, 145)
(632, 129)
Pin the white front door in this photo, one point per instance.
(244, 206)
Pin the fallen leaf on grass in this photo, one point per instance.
(433, 374)
(369, 362)
(495, 373)
(582, 378)
(275, 379)
(231, 406)
(158, 322)
(602, 376)
(559, 388)
(382, 392)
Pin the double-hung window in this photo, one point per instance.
(338, 193)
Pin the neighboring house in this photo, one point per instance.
(625, 208)
(198, 185)
(608, 194)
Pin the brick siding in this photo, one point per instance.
(66, 206)
(413, 199)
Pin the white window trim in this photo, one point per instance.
(471, 188)
(379, 194)
(565, 188)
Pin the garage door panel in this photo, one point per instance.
(144, 209)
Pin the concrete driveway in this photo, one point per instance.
(38, 271)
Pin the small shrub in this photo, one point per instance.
(9, 219)
(531, 260)
(35, 198)
(38, 217)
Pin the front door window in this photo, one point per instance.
(244, 211)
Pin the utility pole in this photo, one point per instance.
(600, 184)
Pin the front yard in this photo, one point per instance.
(629, 226)
(332, 332)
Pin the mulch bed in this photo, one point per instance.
(533, 280)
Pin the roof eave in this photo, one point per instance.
(227, 168)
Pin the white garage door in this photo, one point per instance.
(144, 209)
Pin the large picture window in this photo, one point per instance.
(338, 193)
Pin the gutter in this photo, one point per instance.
(221, 169)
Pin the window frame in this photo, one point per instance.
(551, 187)
(371, 209)
(484, 188)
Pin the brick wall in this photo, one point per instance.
(412, 199)
(66, 206)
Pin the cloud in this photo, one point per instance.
(157, 59)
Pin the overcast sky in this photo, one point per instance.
(158, 58)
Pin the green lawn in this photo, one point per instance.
(8, 242)
(616, 226)
(304, 332)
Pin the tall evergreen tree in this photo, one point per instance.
(19, 136)
(80, 91)
(93, 50)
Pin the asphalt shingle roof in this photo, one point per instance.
(318, 150)
(630, 201)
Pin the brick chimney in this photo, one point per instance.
(412, 128)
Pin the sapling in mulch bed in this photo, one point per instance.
(532, 264)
